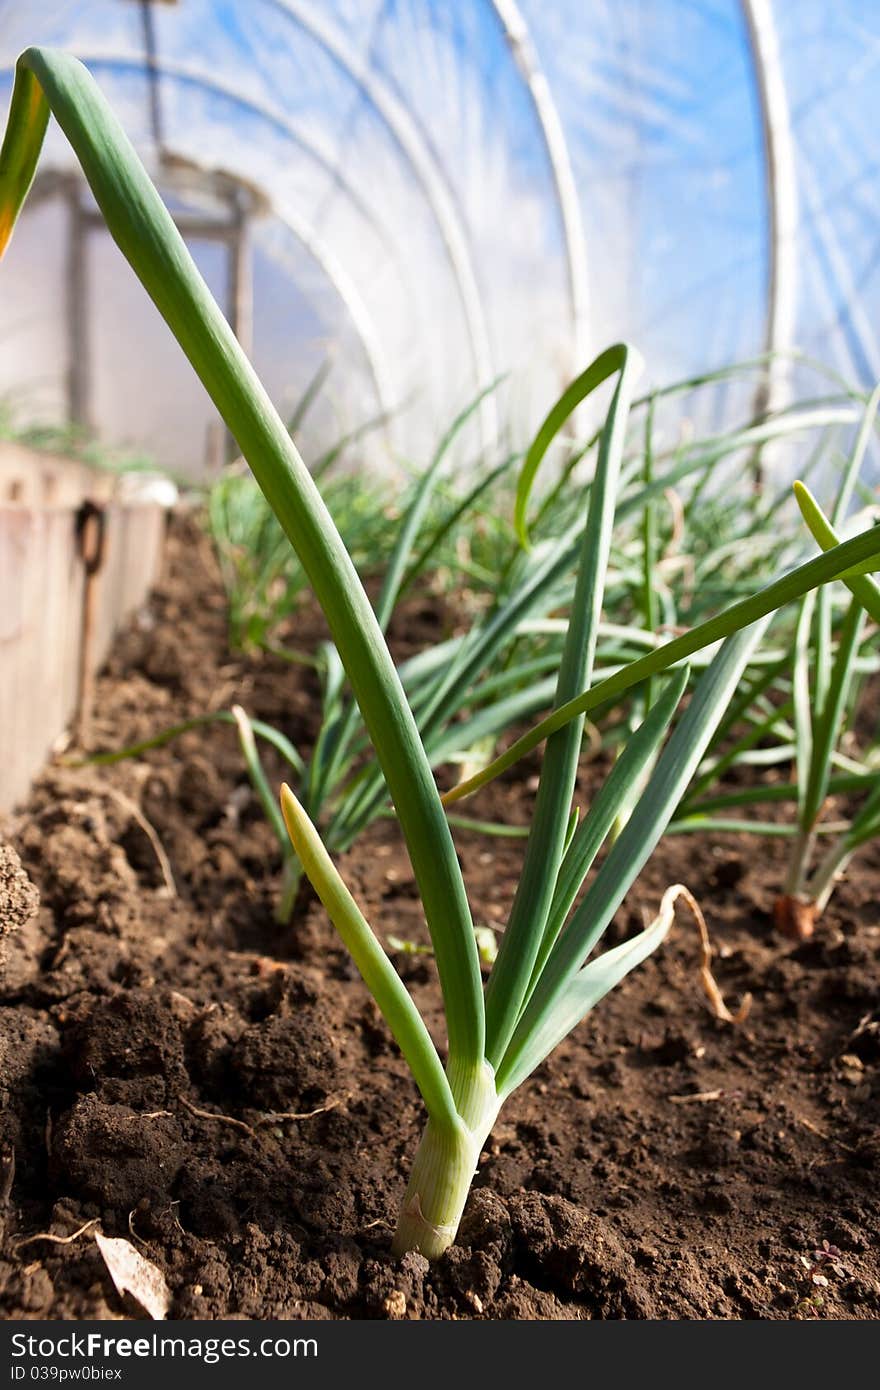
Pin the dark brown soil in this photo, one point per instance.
(223, 1092)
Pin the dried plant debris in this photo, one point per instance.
(133, 1274)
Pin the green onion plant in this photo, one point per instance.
(468, 690)
(542, 982)
(802, 709)
(263, 578)
(825, 702)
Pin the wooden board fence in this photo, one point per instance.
(51, 509)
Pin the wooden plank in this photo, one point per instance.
(48, 482)
(42, 583)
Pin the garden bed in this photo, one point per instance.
(223, 1092)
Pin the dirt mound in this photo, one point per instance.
(222, 1090)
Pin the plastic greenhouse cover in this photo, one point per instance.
(453, 189)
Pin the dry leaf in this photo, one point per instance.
(395, 1304)
(132, 1274)
(710, 987)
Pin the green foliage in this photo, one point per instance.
(542, 982)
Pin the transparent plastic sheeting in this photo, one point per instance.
(450, 190)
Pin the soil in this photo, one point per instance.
(222, 1092)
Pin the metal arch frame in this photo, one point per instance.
(407, 137)
(351, 300)
(340, 279)
(525, 56)
(187, 73)
(341, 282)
(356, 310)
(782, 200)
(343, 287)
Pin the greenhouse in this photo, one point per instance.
(439, 668)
